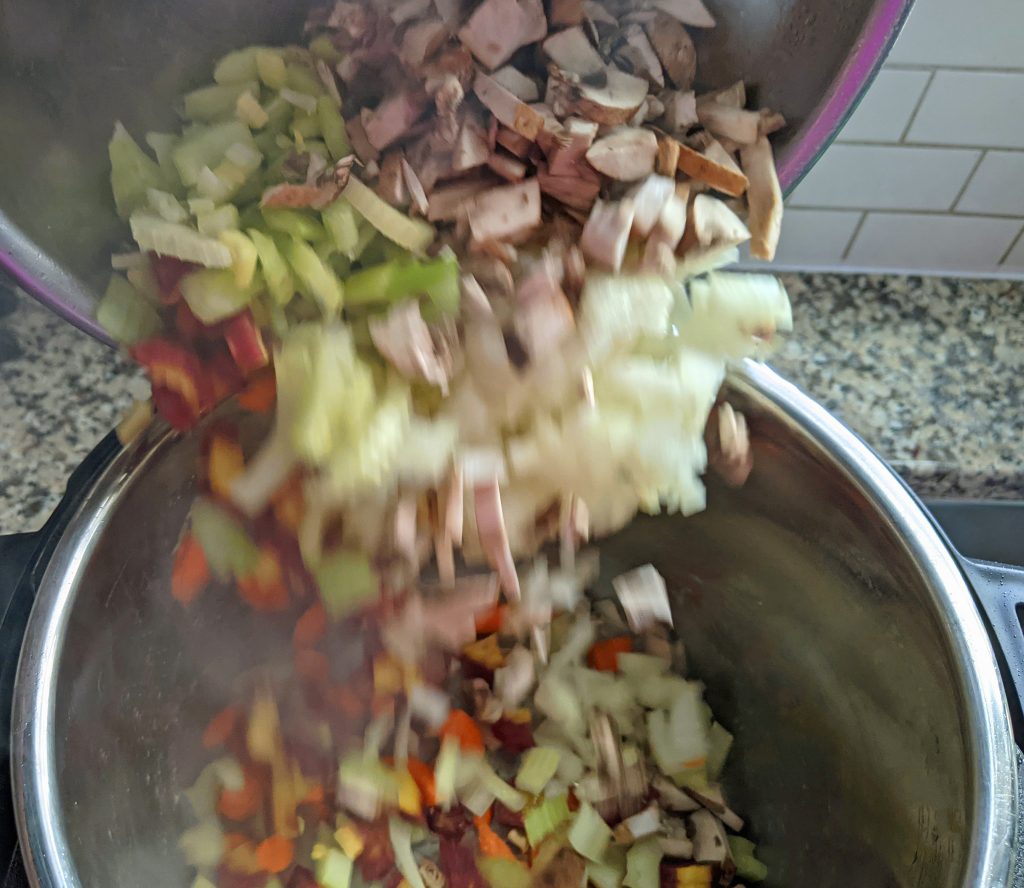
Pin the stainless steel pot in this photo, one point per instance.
(69, 68)
(831, 621)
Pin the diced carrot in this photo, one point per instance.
(221, 727)
(485, 652)
(489, 622)
(488, 815)
(224, 464)
(312, 665)
(260, 394)
(314, 795)
(423, 774)
(491, 844)
(311, 626)
(604, 655)
(190, 572)
(275, 854)
(241, 804)
(462, 726)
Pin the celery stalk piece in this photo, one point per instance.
(166, 205)
(275, 269)
(445, 771)
(221, 219)
(318, 279)
(347, 582)
(239, 65)
(170, 239)
(279, 115)
(334, 869)
(400, 833)
(545, 818)
(299, 224)
(501, 873)
(212, 294)
(643, 864)
(538, 766)
(589, 835)
(132, 173)
(206, 146)
(413, 234)
(608, 872)
(244, 256)
(719, 744)
(249, 110)
(332, 127)
(306, 124)
(271, 68)
(125, 315)
(225, 543)
(323, 48)
(437, 279)
(340, 221)
(209, 104)
(748, 866)
(303, 79)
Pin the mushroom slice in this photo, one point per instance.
(421, 40)
(665, 237)
(571, 146)
(566, 13)
(510, 111)
(471, 147)
(572, 51)
(390, 184)
(736, 124)
(729, 452)
(680, 110)
(771, 122)
(497, 28)
(626, 154)
(712, 799)
(675, 50)
(490, 525)
(764, 198)
(641, 56)
(452, 201)
(505, 212)
(578, 190)
(507, 167)
(667, 161)
(417, 194)
(644, 597)
(714, 224)
(649, 198)
(405, 341)
(511, 141)
(517, 83)
(606, 233)
(713, 167)
(392, 119)
(710, 844)
(689, 12)
(613, 99)
(734, 95)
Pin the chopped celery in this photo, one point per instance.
(275, 268)
(340, 221)
(609, 871)
(368, 236)
(125, 315)
(660, 691)
(271, 68)
(437, 279)
(279, 116)
(747, 865)
(501, 873)
(216, 221)
(238, 66)
(323, 48)
(319, 280)
(225, 543)
(303, 79)
(199, 205)
(366, 785)
(589, 835)
(141, 277)
(202, 845)
(332, 127)
(545, 818)
(205, 147)
(641, 667)
(170, 239)
(243, 255)
(334, 869)
(162, 145)
(212, 187)
(400, 833)
(297, 223)
(538, 766)
(510, 797)
(347, 582)
(302, 101)
(305, 125)
(445, 771)
(213, 295)
(216, 102)
(719, 744)
(250, 111)
(132, 172)
(643, 864)
(166, 206)
(413, 234)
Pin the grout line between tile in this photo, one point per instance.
(1013, 244)
(868, 143)
(896, 211)
(853, 235)
(967, 182)
(956, 69)
(917, 106)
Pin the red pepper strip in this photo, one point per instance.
(190, 572)
(310, 627)
(225, 377)
(462, 726)
(245, 342)
(174, 369)
(168, 272)
(604, 655)
(260, 395)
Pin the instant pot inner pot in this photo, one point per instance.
(799, 608)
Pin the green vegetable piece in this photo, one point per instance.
(202, 845)
(400, 833)
(206, 146)
(244, 256)
(216, 102)
(274, 267)
(303, 79)
(334, 869)
(297, 223)
(347, 582)
(643, 863)
(340, 221)
(510, 797)
(437, 279)
(125, 315)
(367, 783)
(224, 541)
(239, 66)
(324, 49)
(747, 865)
(538, 766)
(163, 145)
(218, 220)
(141, 277)
(545, 818)
(589, 835)
(132, 173)
(446, 769)
(250, 111)
(166, 205)
(719, 744)
(501, 873)
(279, 116)
(414, 235)
(319, 280)
(370, 285)
(271, 68)
(608, 872)
(170, 239)
(213, 294)
(332, 127)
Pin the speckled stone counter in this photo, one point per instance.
(926, 370)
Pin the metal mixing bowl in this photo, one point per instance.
(835, 632)
(70, 68)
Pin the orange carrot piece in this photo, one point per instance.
(491, 844)
(311, 626)
(241, 804)
(224, 464)
(462, 726)
(275, 854)
(221, 727)
(489, 622)
(190, 572)
(260, 394)
(423, 775)
(604, 655)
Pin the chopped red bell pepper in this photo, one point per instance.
(175, 371)
(225, 377)
(190, 572)
(168, 272)
(245, 342)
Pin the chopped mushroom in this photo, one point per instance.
(614, 101)
(507, 167)
(649, 199)
(522, 87)
(689, 12)
(421, 40)
(543, 315)
(497, 28)
(713, 167)
(417, 194)
(764, 199)
(665, 237)
(714, 224)
(452, 201)
(571, 147)
(675, 50)
(606, 233)
(505, 213)
(710, 844)
(518, 145)
(680, 110)
(771, 122)
(729, 451)
(471, 147)
(711, 798)
(644, 597)
(573, 52)
(490, 525)
(736, 124)
(510, 111)
(404, 339)
(392, 119)
(578, 190)
(667, 161)
(734, 95)
(641, 56)
(566, 13)
(390, 183)
(626, 154)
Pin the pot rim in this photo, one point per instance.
(45, 850)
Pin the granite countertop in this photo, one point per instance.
(927, 370)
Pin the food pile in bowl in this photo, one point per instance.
(467, 262)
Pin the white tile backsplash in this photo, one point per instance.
(997, 186)
(972, 108)
(1015, 261)
(886, 110)
(886, 177)
(954, 33)
(932, 242)
(812, 237)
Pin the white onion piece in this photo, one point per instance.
(430, 705)
(644, 597)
